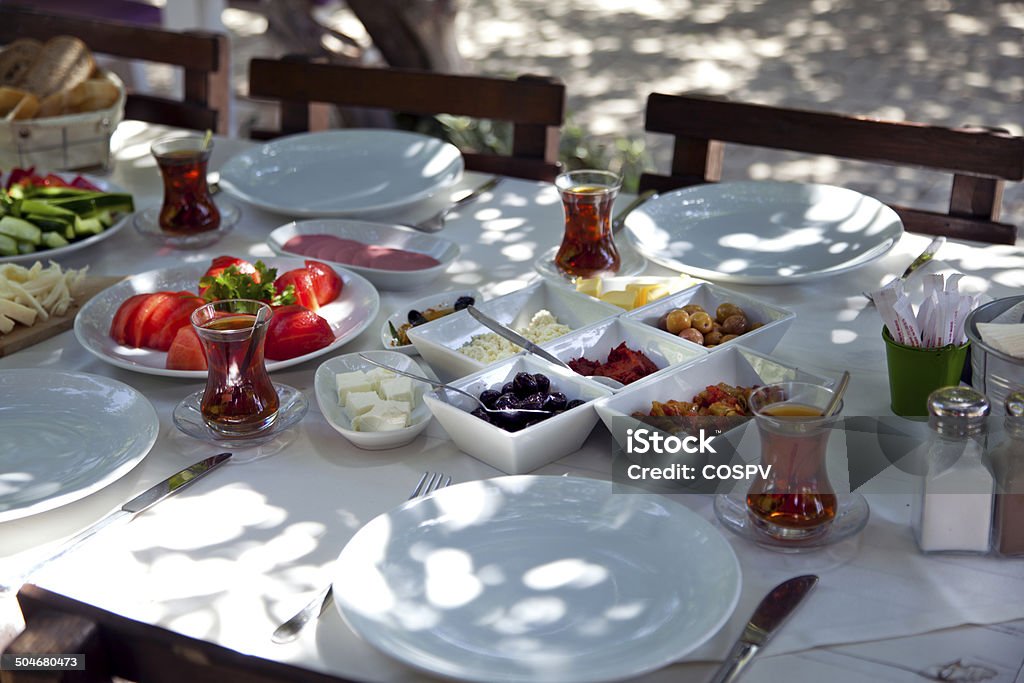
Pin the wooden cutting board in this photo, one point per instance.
(22, 336)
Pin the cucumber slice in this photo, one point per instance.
(54, 240)
(39, 207)
(88, 226)
(20, 229)
(26, 248)
(8, 247)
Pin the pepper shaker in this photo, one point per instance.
(953, 512)
(1008, 467)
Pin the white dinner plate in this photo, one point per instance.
(349, 172)
(46, 254)
(374, 234)
(763, 233)
(532, 579)
(348, 315)
(66, 435)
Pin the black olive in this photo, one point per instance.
(506, 388)
(524, 384)
(488, 397)
(555, 401)
(506, 401)
(533, 402)
(543, 383)
(463, 301)
(481, 413)
(575, 403)
(416, 318)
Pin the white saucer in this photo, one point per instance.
(189, 419)
(147, 224)
(630, 263)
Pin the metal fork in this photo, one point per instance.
(289, 630)
(436, 222)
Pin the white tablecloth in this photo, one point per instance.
(245, 548)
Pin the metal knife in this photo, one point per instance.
(924, 257)
(620, 218)
(514, 337)
(773, 611)
(145, 500)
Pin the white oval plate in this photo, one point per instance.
(763, 233)
(348, 315)
(66, 435)
(401, 316)
(536, 579)
(47, 254)
(377, 234)
(349, 172)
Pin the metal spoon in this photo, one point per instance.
(436, 222)
(837, 394)
(442, 385)
(516, 338)
(925, 256)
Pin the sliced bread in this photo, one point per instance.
(63, 63)
(16, 59)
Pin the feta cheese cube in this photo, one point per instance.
(385, 416)
(348, 382)
(377, 375)
(360, 402)
(397, 389)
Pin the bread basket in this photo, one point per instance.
(60, 143)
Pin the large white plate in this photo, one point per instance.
(376, 234)
(348, 316)
(350, 172)
(537, 579)
(47, 254)
(763, 233)
(66, 435)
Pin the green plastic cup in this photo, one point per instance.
(914, 373)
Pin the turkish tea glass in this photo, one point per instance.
(188, 206)
(588, 247)
(240, 400)
(795, 501)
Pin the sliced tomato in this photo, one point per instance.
(186, 351)
(125, 313)
(83, 184)
(53, 180)
(135, 330)
(327, 284)
(302, 280)
(295, 331)
(165, 322)
(222, 263)
(19, 175)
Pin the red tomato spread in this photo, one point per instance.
(624, 365)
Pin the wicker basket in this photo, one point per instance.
(62, 143)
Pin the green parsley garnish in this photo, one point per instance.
(231, 284)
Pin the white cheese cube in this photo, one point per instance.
(348, 382)
(360, 402)
(386, 416)
(378, 375)
(397, 389)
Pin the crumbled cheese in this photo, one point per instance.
(489, 347)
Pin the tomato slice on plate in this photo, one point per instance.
(125, 313)
(136, 328)
(295, 331)
(186, 352)
(302, 280)
(327, 284)
(182, 307)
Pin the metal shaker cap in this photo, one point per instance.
(1014, 403)
(957, 410)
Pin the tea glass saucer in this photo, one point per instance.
(189, 419)
(851, 517)
(630, 263)
(147, 224)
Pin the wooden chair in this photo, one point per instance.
(204, 56)
(534, 105)
(979, 159)
(115, 646)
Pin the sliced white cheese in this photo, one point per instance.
(397, 389)
(18, 312)
(359, 402)
(378, 375)
(386, 416)
(348, 382)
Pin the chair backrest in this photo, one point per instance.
(980, 160)
(534, 105)
(205, 58)
(115, 646)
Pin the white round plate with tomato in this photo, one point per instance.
(347, 315)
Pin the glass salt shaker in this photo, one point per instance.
(953, 512)
(1008, 466)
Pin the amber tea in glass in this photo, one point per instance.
(188, 206)
(588, 248)
(795, 501)
(240, 400)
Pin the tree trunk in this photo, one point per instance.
(412, 34)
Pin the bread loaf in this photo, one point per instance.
(91, 95)
(17, 104)
(16, 59)
(9, 99)
(62, 63)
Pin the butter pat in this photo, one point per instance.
(348, 382)
(397, 389)
(360, 402)
(385, 416)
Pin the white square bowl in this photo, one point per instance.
(764, 339)
(596, 341)
(532, 447)
(326, 391)
(734, 365)
(438, 342)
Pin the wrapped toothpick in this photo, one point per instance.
(939, 320)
